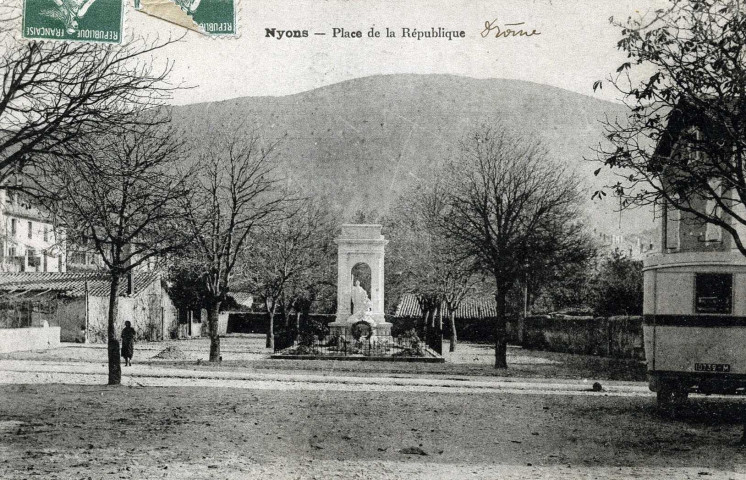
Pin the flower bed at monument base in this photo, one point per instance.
(405, 348)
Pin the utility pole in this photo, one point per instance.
(85, 333)
(522, 320)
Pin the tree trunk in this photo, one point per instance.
(213, 315)
(425, 321)
(501, 333)
(521, 328)
(271, 327)
(115, 362)
(454, 339)
(271, 331)
(297, 325)
(285, 315)
(522, 319)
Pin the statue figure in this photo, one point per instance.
(360, 301)
(69, 12)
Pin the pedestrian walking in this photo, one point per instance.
(128, 343)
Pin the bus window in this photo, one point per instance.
(713, 292)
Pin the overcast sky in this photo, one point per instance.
(576, 45)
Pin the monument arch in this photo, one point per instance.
(360, 244)
(362, 271)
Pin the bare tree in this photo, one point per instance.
(314, 285)
(53, 93)
(411, 259)
(455, 274)
(433, 268)
(683, 143)
(456, 280)
(290, 258)
(237, 192)
(121, 194)
(506, 202)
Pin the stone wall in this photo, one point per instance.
(183, 331)
(33, 338)
(618, 337)
(478, 330)
(66, 313)
(70, 316)
(151, 312)
(223, 323)
(258, 322)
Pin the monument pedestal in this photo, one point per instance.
(345, 329)
(383, 329)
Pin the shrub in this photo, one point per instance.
(306, 339)
(411, 345)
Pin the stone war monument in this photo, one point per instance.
(357, 313)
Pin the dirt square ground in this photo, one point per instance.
(60, 431)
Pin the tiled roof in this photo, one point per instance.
(243, 298)
(472, 307)
(71, 284)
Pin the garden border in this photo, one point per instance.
(435, 358)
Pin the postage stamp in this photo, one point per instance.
(75, 20)
(213, 17)
(216, 17)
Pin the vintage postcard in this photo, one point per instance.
(346, 239)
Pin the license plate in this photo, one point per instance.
(712, 367)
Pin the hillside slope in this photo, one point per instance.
(363, 141)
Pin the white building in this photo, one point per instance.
(631, 246)
(29, 240)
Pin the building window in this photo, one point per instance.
(694, 146)
(673, 223)
(29, 230)
(33, 259)
(77, 258)
(11, 251)
(713, 292)
(46, 233)
(713, 233)
(13, 226)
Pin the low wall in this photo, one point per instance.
(223, 322)
(34, 338)
(478, 330)
(184, 330)
(258, 322)
(618, 337)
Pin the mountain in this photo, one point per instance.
(363, 141)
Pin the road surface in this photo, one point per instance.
(60, 421)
